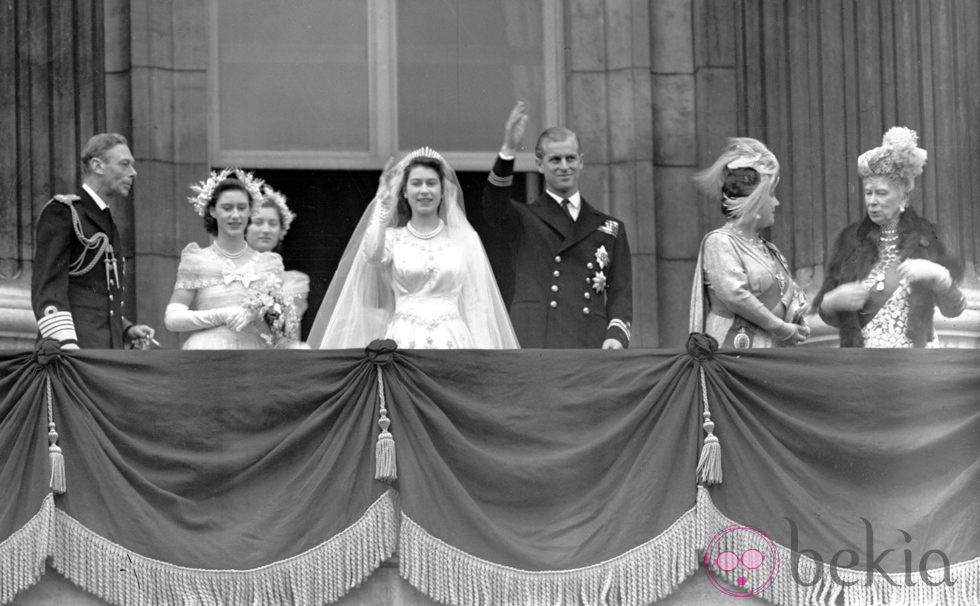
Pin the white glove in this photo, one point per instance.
(927, 273)
(847, 297)
(791, 334)
(179, 318)
(385, 186)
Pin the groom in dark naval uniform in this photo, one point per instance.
(572, 267)
(77, 283)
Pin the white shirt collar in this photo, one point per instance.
(574, 202)
(98, 201)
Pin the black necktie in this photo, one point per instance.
(114, 233)
(565, 206)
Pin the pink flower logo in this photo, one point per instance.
(742, 556)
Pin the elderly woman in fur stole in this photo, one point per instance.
(888, 272)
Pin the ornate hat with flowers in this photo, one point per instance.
(277, 198)
(899, 157)
(205, 189)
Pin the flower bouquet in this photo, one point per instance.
(267, 301)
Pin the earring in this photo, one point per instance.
(901, 210)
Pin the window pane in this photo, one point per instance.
(293, 75)
(461, 66)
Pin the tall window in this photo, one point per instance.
(345, 84)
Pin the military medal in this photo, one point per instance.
(781, 281)
(742, 340)
(111, 270)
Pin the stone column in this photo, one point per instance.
(169, 112)
(675, 157)
(607, 54)
(53, 102)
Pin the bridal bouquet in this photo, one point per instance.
(266, 300)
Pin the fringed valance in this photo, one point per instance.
(526, 477)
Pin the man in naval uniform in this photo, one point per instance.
(77, 284)
(572, 266)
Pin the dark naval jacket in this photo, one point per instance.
(78, 275)
(572, 281)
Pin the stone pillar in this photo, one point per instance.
(675, 157)
(607, 54)
(53, 102)
(167, 72)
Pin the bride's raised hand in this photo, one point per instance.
(387, 180)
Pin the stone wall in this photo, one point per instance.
(167, 72)
(52, 102)
(609, 105)
(694, 110)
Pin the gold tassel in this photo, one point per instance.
(385, 464)
(709, 464)
(57, 459)
(386, 467)
(57, 481)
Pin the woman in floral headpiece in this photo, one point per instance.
(887, 273)
(415, 270)
(227, 294)
(268, 226)
(744, 294)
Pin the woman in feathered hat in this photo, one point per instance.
(744, 294)
(887, 273)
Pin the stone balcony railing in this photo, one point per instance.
(17, 325)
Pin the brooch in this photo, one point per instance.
(599, 280)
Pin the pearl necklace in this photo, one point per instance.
(887, 255)
(234, 255)
(756, 241)
(427, 235)
(759, 245)
(889, 234)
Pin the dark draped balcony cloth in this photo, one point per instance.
(528, 477)
(869, 457)
(547, 477)
(196, 477)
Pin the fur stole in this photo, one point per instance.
(856, 251)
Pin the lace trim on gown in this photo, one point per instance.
(203, 267)
(887, 328)
(217, 283)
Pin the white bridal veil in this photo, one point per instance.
(360, 302)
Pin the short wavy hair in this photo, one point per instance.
(404, 208)
(552, 135)
(97, 146)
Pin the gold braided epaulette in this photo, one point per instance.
(65, 199)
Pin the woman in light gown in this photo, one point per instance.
(215, 283)
(414, 271)
(743, 293)
(268, 227)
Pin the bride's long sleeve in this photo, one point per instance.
(375, 248)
